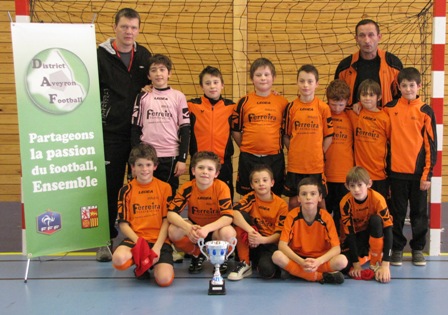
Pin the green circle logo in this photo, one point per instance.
(57, 81)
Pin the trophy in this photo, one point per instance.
(216, 252)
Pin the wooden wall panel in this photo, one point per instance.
(196, 33)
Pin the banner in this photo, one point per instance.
(61, 142)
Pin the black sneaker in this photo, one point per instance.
(223, 268)
(332, 277)
(145, 276)
(417, 258)
(196, 264)
(397, 258)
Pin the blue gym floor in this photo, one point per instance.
(80, 285)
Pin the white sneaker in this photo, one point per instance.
(242, 270)
(178, 257)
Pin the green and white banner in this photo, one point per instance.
(61, 146)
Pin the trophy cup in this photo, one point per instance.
(216, 252)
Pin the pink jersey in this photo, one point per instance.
(160, 114)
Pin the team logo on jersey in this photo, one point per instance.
(49, 222)
(89, 217)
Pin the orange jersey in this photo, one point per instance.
(268, 216)
(413, 139)
(206, 206)
(210, 127)
(309, 240)
(307, 124)
(259, 119)
(372, 133)
(339, 158)
(144, 207)
(355, 216)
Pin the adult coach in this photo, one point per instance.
(123, 70)
(370, 62)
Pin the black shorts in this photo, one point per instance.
(165, 172)
(166, 252)
(247, 161)
(293, 179)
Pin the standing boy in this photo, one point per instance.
(210, 212)
(309, 245)
(308, 135)
(161, 118)
(210, 118)
(339, 157)
(257, 128)
(367, 225)
(413, 156)
(123, 72)
(259, 221)
(142, 212)
(372, 133)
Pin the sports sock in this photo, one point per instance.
(242, 247)
(187, 246)
(376, 249)
(125, 266)
(296, 270)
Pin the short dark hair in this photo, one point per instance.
(205, 155)
(410, 74)
(143, 151)
(365, 22)
(369, 85)
(215, 72)
(127, 13)
(338, 90)
(261, 62)
(160, 59)
(309, 68)
(261, 168)
(309, 181)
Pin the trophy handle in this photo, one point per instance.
(232, 244)
(201, 244)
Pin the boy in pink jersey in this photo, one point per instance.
(161, 118)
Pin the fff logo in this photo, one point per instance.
(49, 222)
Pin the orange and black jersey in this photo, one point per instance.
(144, 207)
(390, 66)
(355, 215)
(205, 206)
(210, 126)
(413, 143)
(339, 158)
(307, 124)
(259, 119)
(372, 134)
(268, 216)
(309, 240)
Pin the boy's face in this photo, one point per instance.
(337, 107)
(212, 86)
(309, 197)
(369, 101)
(359, 189)
(263, 80)
(126, 32)
(159, 75)
(262, 183)
(205, 172)
(409, 89)
(143, 170)
(307, 84)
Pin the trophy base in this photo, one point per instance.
(216, 289)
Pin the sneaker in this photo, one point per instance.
(104, 253)
(145, 276)
(417, 258)
(223, 268)
(397, 258)
(284, 275)
(242, 270)
(332, 277)
(178, 257)
(196, 264)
